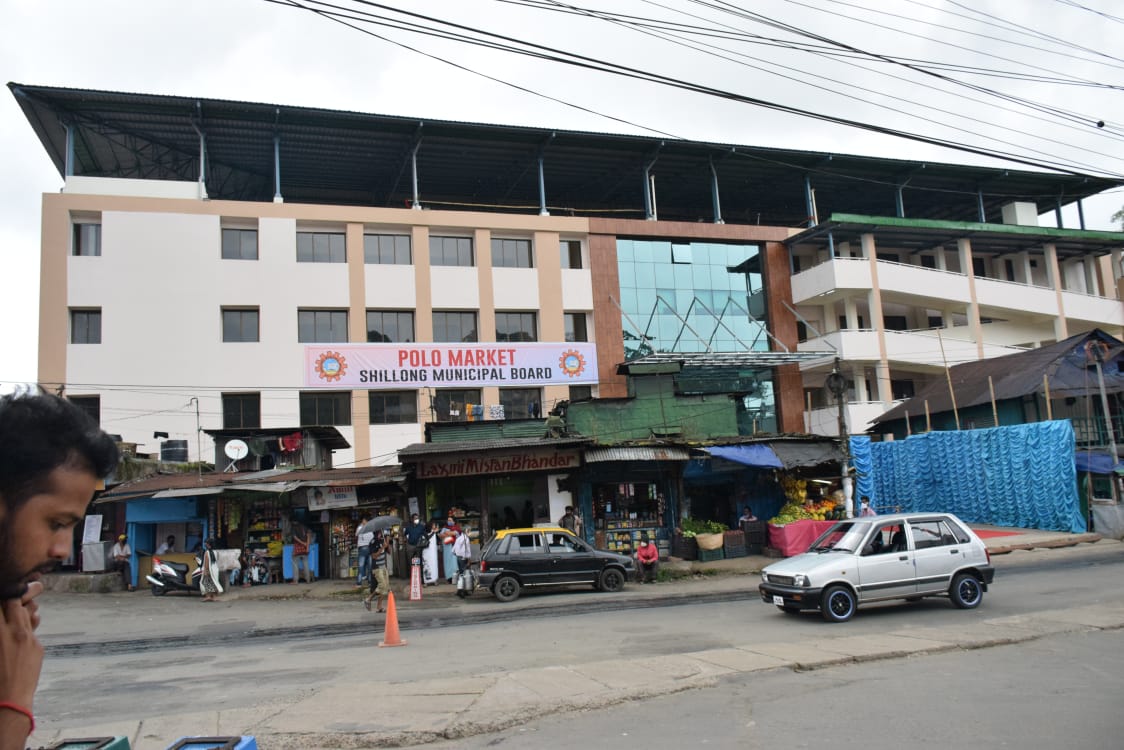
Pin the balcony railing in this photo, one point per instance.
(1092, 432)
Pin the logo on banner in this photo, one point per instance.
(331, 366)
(572, 363)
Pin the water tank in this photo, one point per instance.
(174, 451)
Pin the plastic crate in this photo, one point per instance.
(214, 743)
(685, 548)
(735, 550)
(92, 743)
(710, 555)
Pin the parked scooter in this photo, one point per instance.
(172, 576)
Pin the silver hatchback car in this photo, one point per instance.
(878, 558)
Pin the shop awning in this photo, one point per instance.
(754, 454)
(189, 492)
(636, 453)
(806, 452)
(1095, 462)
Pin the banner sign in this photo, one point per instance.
(399, 366)
(503, 463)
(321, 498)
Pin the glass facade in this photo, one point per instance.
(687, 297)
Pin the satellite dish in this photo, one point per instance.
(236, 449)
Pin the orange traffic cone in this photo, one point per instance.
(390, 637)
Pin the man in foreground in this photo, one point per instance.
(51, 458)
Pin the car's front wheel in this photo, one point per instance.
(506, 589)
(838, 604)
(612, 580)
(966, 591)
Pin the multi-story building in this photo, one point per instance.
(201, 250)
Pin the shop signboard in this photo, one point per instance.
(322, 498)
(398, 366)
(498, 463)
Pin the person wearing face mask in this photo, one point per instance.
(449, 535)
(52, 457)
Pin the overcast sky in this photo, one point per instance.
(254, 50)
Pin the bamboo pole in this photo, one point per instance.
(928, 420)
(908, 427)
(808, 399)
(994, 411)
(948, 377)
(1046, 388)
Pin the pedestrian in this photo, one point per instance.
(448, 536)
(648, 561)
(429, 554)
(571, 521)
(747, 515)
(51, 458)
(121, 555)
(866, 510)
(414, 532)
(363, 540)
(462, 549)
(209, 584)
(380, 579)
(302, 542)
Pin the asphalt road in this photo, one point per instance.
(218, 668)
(1060, 691)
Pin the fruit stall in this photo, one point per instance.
(801, 519)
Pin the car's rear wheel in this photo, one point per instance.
(838, 604)
(612, 580)
(506, 589)
(966, 591)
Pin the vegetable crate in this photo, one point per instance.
(733, 544)
(710, 555)
(684, 547)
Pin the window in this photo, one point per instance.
(979, 267)
(581, 392)
(901, 389)
(85, 326)
(928, 261)
(571, 253)
(450, 251)
(87, 239)
(449, 405)
(325, 408)
(895, 322)
(390, 326)
(322, 326)
(521, 403)
(240, 244)
(241, 410)
(516, 327)
(89, 404)
(387, 249)
(931, 534)
(680, 253)
(575, 327)
(321, 247)
(511, 253)
(239, 324)
(393, 407)
(454, 327)
(524, 544)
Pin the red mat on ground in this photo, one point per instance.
(989, 533)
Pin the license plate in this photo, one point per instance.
(778, 600)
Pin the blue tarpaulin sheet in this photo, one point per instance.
(1093, 462)
(757, 454)
(1021, 476)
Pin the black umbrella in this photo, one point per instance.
(380, 523)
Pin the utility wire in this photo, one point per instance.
(582, 61)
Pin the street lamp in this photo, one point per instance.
(837, 385)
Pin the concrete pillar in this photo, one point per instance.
(874, 299)
(843, 250)
(964, 249)
(858, 374)
(1053, 278)
(942, 260)
(1090, 268)
(851, 313)
(830, 318)
(1024, 268)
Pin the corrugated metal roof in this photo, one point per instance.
(636, 453)
(1065, 363)
(420, 450)
(350, 158)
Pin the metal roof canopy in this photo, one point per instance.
(916, 235)
(749, 360)
(418, 451)
(328, 437)
(340, 157)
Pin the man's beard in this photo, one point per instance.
(13, 582)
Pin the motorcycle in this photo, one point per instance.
(172, 576)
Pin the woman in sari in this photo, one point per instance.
(209, 584)
(429, 554)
